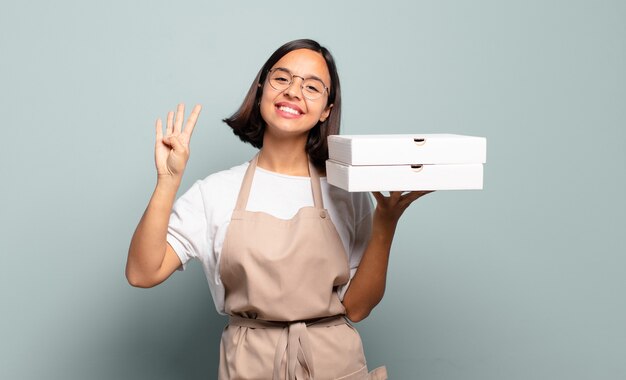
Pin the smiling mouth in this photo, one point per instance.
(288, 110)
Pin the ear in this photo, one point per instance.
(326, 113)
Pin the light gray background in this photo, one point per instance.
(523, 280)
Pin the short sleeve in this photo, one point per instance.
(362, 230)
(187, 228)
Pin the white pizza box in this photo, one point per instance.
(404, 177)
(401, 149)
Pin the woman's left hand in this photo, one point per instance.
(391, 208)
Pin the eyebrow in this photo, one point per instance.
(309, 77)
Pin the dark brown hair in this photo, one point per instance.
(248, 124)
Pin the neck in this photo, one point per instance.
(285, 157)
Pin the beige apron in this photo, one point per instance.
(281, 278)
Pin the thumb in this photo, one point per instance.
(174, 142)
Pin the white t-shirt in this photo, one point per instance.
(200, 217)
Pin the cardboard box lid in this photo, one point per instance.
(403, 149)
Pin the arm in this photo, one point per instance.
(151, 259)
(367, 287)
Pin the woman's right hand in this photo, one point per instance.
(171, 151)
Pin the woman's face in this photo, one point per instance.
(288, 113)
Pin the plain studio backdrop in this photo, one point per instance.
(525, 279)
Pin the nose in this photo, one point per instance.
(295, 88)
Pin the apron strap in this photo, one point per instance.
(246, 184)
(316, 187)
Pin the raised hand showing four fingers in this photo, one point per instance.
(171, 150)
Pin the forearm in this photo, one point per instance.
(148, 244)
(367, 287)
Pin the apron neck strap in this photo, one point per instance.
(244, 192)
(316, 187)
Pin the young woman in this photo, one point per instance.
(287, 256)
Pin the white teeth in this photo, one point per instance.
(289, 110)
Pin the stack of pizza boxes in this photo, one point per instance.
(406, 162)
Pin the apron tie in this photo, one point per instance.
(293, 341)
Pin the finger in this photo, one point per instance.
(191, 122)
(413, 196)
(422, 193)
(417, 193)
(178, 122)
(395, 195)
(379, 196)
(410, 197)
(159, 130)
(170, 124)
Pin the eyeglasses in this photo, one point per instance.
(280, 79)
